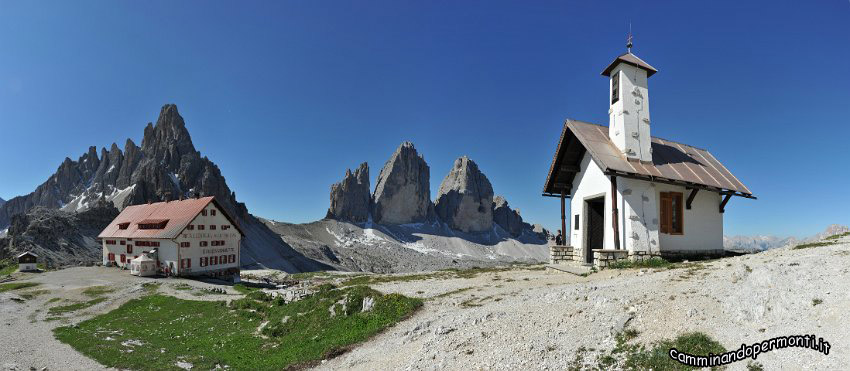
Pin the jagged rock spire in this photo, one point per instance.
(465, 198)
(402, 193)
(351, 198)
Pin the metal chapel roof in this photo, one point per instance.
(672, 162)
(178, 215)
(631, 59)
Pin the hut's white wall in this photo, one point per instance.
(590, 182)
(24, 267)
(195, 252)
(702, 224)
(638, 209)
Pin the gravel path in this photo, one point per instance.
(539, 320)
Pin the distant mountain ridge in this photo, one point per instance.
(166, 167)
(762, 243)
(399, 229)
(465, 201)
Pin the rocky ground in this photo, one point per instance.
(537, 320)
(59, 238)
(526, 317)
(408, 248)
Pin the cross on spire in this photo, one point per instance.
(629, 39)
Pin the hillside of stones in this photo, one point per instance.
(59, 238)
(397, 228)
(166, 167)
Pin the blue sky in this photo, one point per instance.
(285, 95)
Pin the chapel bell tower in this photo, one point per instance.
(628, 114)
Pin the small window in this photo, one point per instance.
(233, 258)
(203, 243)
(123, 242)
(185, 244)
(212, 212)
(129, 249)
(212, 227)
(575, 222)
(225, 227)
(123, 225)
(201, 227)
(190, 227)
(110, 257)
(672, 219)
(204, 212)
(615, 87)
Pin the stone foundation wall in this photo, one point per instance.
(560, 254)
(604, 258)
(637, 256)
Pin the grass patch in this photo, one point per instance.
(837, 236)
(308, 275)
(29, 295)
(7, 267)
(182, 287)
(207, 334)
(62, 309)
(816, 302)
(636, 357)
(814, 244)
(53, 300)
(449, 293)
(17, 286)
(441, 274)
(97, 291)
(649, 263)
(151, 287)
(243, 288)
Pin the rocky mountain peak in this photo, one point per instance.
(351, 199)
(168, 139)
(165, 167)
(510, 220)
(465, 198)
(402, 193)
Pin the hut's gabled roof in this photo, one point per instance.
(671, 162)
(176, 215)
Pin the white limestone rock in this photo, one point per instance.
(351, 198)
(402, 194)
(465, 199)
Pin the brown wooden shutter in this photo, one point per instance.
(666, 209)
